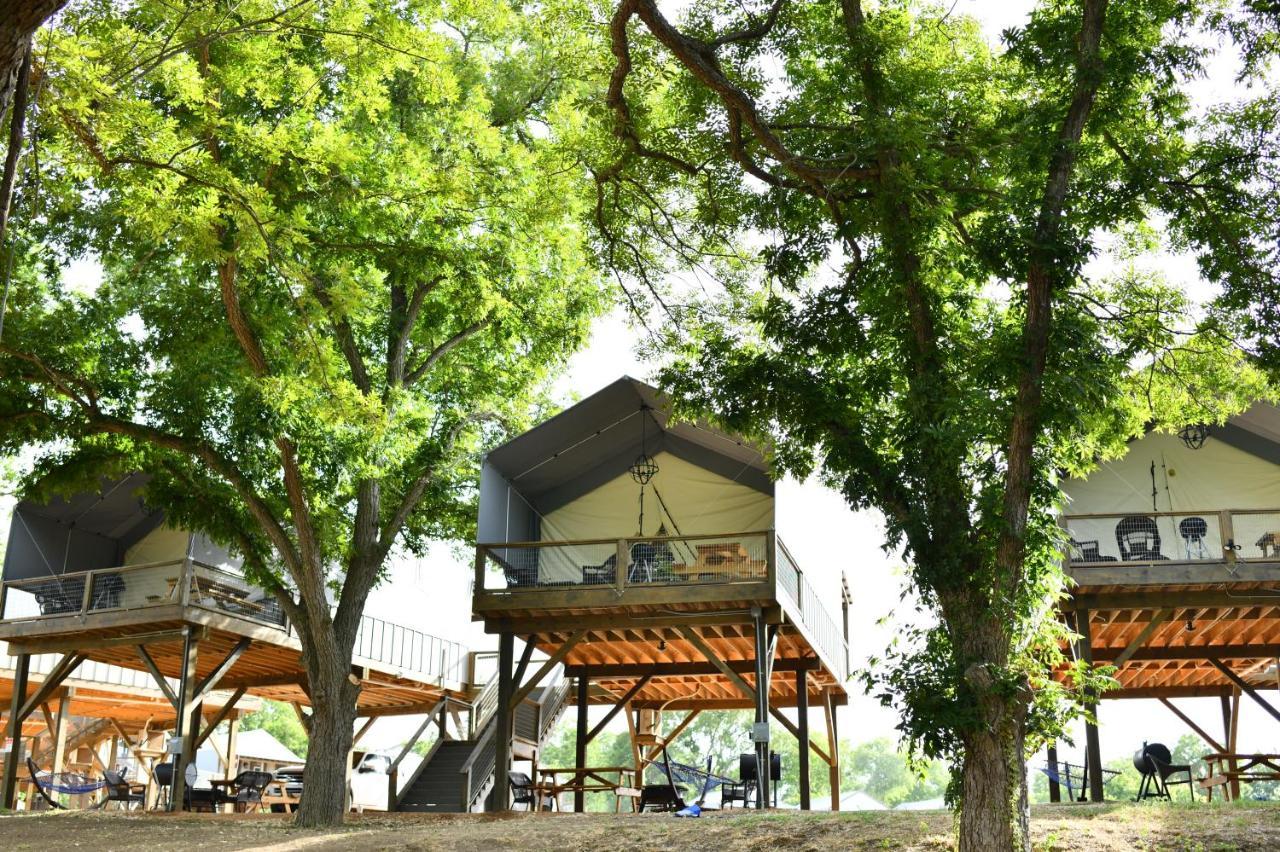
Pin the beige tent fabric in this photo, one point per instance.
(697, 500)
(162, 544)
(1198, 482)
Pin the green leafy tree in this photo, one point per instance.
(341, 252)
(901, 218)
(280, 721)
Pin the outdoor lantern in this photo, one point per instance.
(1194, 434)
(644, 468)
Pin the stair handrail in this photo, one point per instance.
(483, 707)
(552, 703)
(394, 794)
(469, 768)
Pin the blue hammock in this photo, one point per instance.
(702, 780)
(70, 783)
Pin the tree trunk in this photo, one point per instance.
(17, 23)
(329, 735)
(995, 812)
(996, 815)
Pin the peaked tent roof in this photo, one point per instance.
(597, 439)
(262, 745)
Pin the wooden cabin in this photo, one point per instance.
(640, 552)
(1173, 555)
(100, 577)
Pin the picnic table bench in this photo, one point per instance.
(1225, 768)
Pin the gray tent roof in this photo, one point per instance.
(1255, 431)
(91, 529)
(596, 440)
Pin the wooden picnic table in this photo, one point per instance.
(1225, 768)
(586, 779)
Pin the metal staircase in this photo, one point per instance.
(457, 775)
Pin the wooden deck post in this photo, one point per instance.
(187, 726)
(580, 744)
(760, 732)
(22, 670)
(1055, 792)
(833, 746)
(1093, 747)
(233, 738)
(802, 714)
(1233, 740)
(59, 732)
(502, 720)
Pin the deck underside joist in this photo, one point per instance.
(1173, 639)
(618, 646)
(270, 667)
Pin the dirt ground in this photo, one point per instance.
(1244, 826)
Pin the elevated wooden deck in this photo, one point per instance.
(676, 627)
(1182, 615)
(244, 639)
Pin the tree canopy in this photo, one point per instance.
(918, 264)
(341, 245)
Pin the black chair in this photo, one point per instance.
(1138, 538)
(1193, 531)
(603, 574)
(119, 789)
(1087, 551)
(1155, 762)
(747, 774)
(522, 792)
(248, 787)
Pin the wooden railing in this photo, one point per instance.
(670, 562)
(1148, 538)
(190, 583)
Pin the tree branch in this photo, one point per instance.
(445, 348)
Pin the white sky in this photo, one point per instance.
(433, 594)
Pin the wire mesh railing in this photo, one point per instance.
(1216, 535)
(821, 628)
(729, 558)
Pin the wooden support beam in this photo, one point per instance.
(1217, 746)
(52, 681)
(833, 743)
(618, 706)
(795, 732)
(364, 729)
(1234, 651)
(223, 712)
(58, 645)
(580, 740)
(554, 660)
(1100, 602)
(187, 720)
(233, 742)
(502, 725)
(8, 794)
(670, 738)
(712, 657)
(161, 681)
(1093, 748)
(1233, 743)
(60, 733)
(1160, 617)
(1245, 688)
(612, 670)
(523, 665)
(211, 679)
(802, 734)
